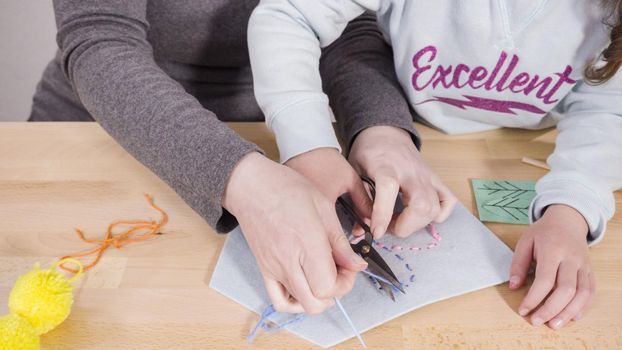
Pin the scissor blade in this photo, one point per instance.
(375, 262)
(352, 214)
(376, 265)
(387, 289)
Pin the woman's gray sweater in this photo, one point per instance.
(159, 76)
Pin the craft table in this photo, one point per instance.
(154, 295)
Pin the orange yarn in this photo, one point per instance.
(149, 230)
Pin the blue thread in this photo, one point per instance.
(262, 320)
(412, 278)
(278, 327)
(269, 311)
(399, 257)
(345, 314)
(387, 249)
(409, 268)
(395, 289)
(263, 323)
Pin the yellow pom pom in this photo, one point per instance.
(42, 297)
(17, 334)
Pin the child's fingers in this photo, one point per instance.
(546, 271)
(565, 290)
(521, 261)
(590, 299)
(361, 200)
(578, 302)
(357, 230)
(387, 189)
(421, 206)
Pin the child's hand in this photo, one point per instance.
(389, 157)
(557, 242)
(333, 176)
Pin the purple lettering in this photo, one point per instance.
(421, 69)
(477, 74)
(426, 74)
(563, 78)
(508, 71)
(457, 72)
(440, 76)
(489, 84)
(536, 83)
(520, 80)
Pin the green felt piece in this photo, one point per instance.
(504, 201)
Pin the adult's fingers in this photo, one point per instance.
(318, 264)
(521, 262)
(421, 205)
(546, 272)
(321, 257)
(342, 252)
(347, 261)
(387, 189)
(327, 281)
(300, 289)
(447, 201)
(281, 299)
(563, 294)
(578, 302)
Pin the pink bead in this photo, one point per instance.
(433, 232)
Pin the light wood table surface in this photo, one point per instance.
(154, 295)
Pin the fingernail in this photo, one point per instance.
(523, 311)
(378, 231)
(358, 260)
(537, 322)
(578, 316)
(514, 281)
(556, 324)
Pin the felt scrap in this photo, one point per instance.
(470, 258)
(504, 201)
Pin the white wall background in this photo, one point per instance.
(27, 44)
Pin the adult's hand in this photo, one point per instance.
(389, 157)
(294, 233)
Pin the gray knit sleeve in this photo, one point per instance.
(359, 78)
(109, 63)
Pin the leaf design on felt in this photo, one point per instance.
(513, 189)
(510, 199)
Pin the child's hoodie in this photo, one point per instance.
(466, 66)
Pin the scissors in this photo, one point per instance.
(364, 247)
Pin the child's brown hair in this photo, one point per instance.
(612, 55)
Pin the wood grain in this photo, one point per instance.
(154, 295)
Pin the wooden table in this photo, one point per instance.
(154, 295)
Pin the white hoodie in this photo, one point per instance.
(465, 66)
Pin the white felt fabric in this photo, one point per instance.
(469, 257)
